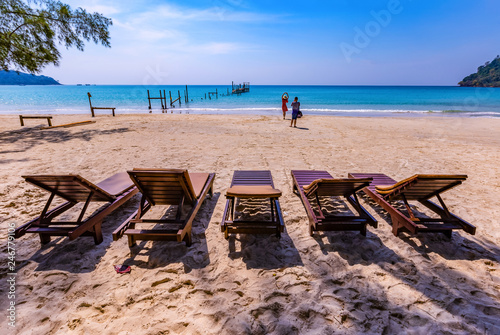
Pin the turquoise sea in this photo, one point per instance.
(262, 99)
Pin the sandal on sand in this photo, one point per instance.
(122, 269)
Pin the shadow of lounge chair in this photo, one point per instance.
(166, 187)
(387, 192)
(315, 184)
(115, 190)
(252, 185)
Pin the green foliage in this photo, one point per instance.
(31, 30)
(488, 75)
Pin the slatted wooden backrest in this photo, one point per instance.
(422, 187)
(306, 177)
(252, 177)
(323, 184)
(72, 188)
(337, 187)
(164, 187)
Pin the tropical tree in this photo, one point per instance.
(32, 30)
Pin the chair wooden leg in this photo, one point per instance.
(395, 226)
(131, 241)
(231, 213)
(295, 189)
(44, 238)
(363, 230)
(188, 239)
(272, 210)
(179, 209)
(98, 233)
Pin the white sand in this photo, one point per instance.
(334, 282)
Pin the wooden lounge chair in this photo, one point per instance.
(166, 187)
(315, 184)
(116, 190)
(252, 185)
(386, 192)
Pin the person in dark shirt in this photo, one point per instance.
(295, 111)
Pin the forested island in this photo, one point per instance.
(21, 78)
(487, 75)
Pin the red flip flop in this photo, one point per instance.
(122, 269)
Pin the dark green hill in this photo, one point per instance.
(488, 75)
(14, 78)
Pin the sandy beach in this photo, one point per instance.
(332, 283)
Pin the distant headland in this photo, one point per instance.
(487, 75)
(15, 78)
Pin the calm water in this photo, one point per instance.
(318, 100)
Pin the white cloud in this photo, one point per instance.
(144, 32)
(159, 31)
(106, 8)
(215, 13)
(216, 48)
(102, 9)
(219, 48)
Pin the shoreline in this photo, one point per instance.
(272, 111)
(333, 282)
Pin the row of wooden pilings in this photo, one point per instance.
(178, 100)
(163, 99)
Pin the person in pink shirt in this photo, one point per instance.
(284, 101)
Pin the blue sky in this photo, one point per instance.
(336, 42)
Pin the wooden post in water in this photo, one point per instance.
(216, 94)
(170, 94)
(163, 105)
(90, 102)
(165, 99)
(149, 101)
(179, 92)
(162, 98)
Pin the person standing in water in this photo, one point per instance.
(284, 101)
(295, 111)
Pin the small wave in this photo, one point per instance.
(454, 111)
(230, 109)
(257, 110)
(329, 110)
